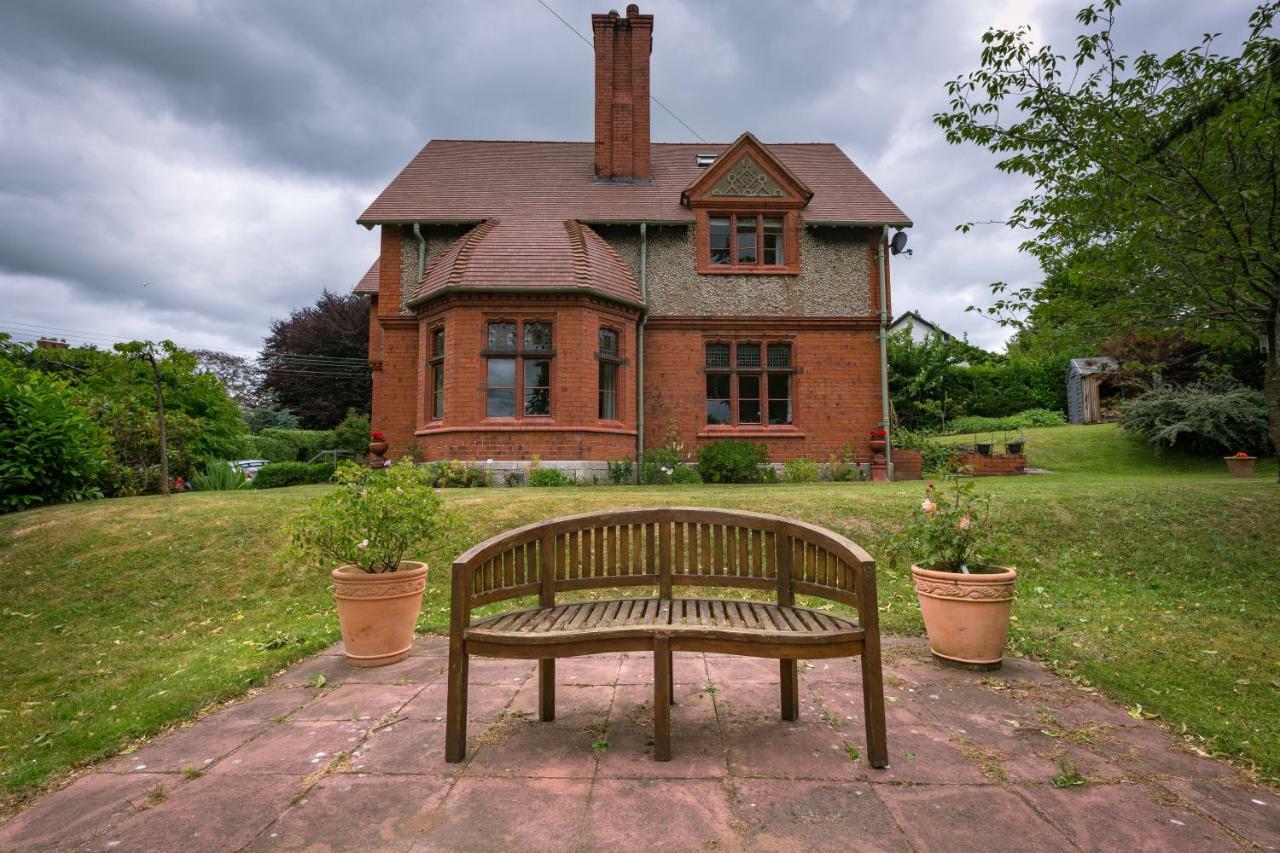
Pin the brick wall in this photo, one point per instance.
(836, 390)
(995, 465)
(906, 464)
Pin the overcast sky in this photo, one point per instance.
(189, 170)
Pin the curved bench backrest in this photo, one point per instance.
(666, 547)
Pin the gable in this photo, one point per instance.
(747, 180)
(747, 171)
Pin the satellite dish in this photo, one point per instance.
(898, 243)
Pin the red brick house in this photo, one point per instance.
(570, 300)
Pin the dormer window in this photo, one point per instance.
(747, 207)
(745, 240)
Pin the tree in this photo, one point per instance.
(119, 390)
(316, 361)
(1156, 179)
(241, 377)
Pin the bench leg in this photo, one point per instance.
(455, 736)
(789, 675)
(547, 689)
(873, 705)
(671, 677)
(661, 698)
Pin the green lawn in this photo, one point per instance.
(1155, 579)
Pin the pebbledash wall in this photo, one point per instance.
(828, 312)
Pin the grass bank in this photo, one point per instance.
(1155, 579)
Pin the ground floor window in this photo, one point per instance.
(607, 355)
(518, 358)
(749, 383)
(436, 366)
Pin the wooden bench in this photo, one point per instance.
(663, 549)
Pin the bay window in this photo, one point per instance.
(437, 373)
(518, 369)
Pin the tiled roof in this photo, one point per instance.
(369, 281)
(529, 254)
(466, 181)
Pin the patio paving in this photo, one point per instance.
(357, 764)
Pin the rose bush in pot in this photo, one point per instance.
(965, 601)
(368, 525)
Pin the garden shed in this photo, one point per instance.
(1085, 380)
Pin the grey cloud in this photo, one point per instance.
(221, 151)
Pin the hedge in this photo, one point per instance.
(279, 474)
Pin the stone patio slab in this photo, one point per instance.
(357, 702)
(483, 815)
(292, 749)
(798, 817)
(194, 747)
(660, 814)
(1252, 813)
(359, 765)
(1125, 817)
(86, 809)
(370, 813)
(947, 818)
(207, 815)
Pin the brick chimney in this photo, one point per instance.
(622, 94)
(51, 343)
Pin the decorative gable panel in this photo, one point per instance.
(747, 180)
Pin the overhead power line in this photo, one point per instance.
(652, 97)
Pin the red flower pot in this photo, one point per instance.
(1240, 466)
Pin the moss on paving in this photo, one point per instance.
(1154, 578)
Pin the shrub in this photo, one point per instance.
(543, 477)
(801, 471)
(219, 476)
(934, 455)
(685, 475)
(658, 466)
(50, 448)
(373, 519)
(621, 471)
(732, 461)
(270, 449)
(844, 467)
(456, 475)
(1211, 418)
(304, 444)
(352, 434)
(1022, 420)
(279, 474)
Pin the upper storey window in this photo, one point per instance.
(747, 207)
(745, 240)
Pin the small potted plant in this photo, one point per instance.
(984, 447)
(878, 439)
(368, 525)
(1241, 464)
(1017, 445)
(965, 601)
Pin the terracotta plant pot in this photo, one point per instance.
(1240, 466)
(967, 616)
(878, 445)
(377, 612)
(377, 448)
